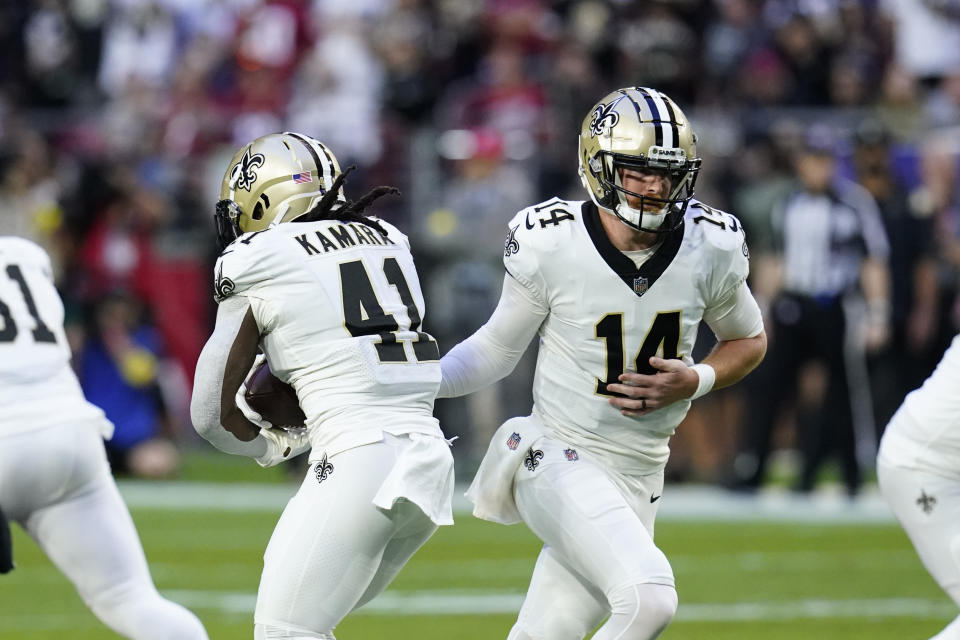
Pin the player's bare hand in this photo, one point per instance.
(645, 393)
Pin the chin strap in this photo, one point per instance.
(672, 218)
(642, 216)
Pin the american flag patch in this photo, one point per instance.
(300, 178)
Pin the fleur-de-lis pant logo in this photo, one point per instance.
(324, 469)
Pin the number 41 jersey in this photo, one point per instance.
(339, 308)
(606, 316)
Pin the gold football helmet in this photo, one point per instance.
(644, 130)
(276, 178)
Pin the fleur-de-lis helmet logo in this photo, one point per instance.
(604, 117)
(243, 175)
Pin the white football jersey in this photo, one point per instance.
(37, 386)
(925, 432)
(340, 313)
(607, 316)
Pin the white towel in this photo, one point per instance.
(491, 491)
(423, 474)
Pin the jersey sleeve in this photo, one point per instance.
(736, 317)
(725, 254)
(493, 351)
(239, 268)
(522, 256)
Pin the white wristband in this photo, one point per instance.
(707, 378)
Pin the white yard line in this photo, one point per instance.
(438, 603)
(680, 502)
(817, 609)
(416, 603)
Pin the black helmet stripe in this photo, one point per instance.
(657, 116)
(313, 152)
(667, 135)
(324, 168)
(330, 162)
(673, 121)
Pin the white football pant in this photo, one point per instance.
(333, 549)
(56, 483)
(599, 558)
(928, 508)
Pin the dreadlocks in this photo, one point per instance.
(349, 211)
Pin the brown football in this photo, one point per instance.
(273, 398)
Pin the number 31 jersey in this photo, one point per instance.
(38, 388)
(340, 309)
(607, 316)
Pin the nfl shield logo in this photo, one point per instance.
(640, 285)
(571, 454)
(513, 442)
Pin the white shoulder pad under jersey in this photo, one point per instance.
(340, 312)
(607, 316)
(37, 385)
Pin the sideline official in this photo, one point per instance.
(830, 250)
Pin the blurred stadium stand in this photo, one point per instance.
(117, 116)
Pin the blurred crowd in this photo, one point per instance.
(117, 118)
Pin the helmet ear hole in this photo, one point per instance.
(257, 211)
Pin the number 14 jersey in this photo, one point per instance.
(607, 316)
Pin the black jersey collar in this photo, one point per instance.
(639, 280)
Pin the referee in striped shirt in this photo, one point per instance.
(830, 249)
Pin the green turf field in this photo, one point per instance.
(736, 580)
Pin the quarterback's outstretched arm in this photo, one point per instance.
(494, 350)
(221, 369)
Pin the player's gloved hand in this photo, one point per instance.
(282, 444)
(673, 381)
(241, 398)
